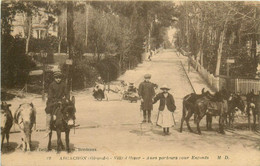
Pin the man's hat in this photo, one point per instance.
(57, 74)
(131, 84)
(147, 76)
(165, 87)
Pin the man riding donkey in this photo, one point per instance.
(57, 93)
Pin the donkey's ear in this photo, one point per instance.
(73, 99)
(31, 104)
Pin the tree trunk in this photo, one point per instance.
(201, 47)
(254, 39)
(70, 39)
(149, 41)
(29, 24)
(149, 37)
(59, 46)
(119, 66)
(220, 47)
(87, 8)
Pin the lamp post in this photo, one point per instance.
(43, 56)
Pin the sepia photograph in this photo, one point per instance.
(130, 83)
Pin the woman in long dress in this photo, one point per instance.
(166, 108)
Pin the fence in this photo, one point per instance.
(245, 86)
(213, 81)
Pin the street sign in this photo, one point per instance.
(69, 61)
(35, 72)
(230, 60)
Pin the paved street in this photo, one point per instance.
(112, 127)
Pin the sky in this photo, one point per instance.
(171, 32)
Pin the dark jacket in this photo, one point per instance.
(146, 92)
(169, 102)
(56, 93)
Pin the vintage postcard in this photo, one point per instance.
(130, 83)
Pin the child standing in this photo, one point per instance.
(166, 108)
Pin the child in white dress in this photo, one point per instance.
(166, 108)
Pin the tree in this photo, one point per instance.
(213, 28)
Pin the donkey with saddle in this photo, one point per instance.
(204, 104)
(188, 106)
(63, 119)
(253, 107)
(60, 111)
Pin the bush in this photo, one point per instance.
(84, 74)
(108, 69)
(15, 65)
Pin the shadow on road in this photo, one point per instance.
(9, 149)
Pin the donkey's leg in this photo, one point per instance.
(3, 138)
(187, 120)
(254, 116)
(7, 137)
(221, 124)
(232, 119)
(198, 123)
(209, 122)
(229, 118)
(249, 123)
(183, 117)
(62, 146)
(30, 142)
(182, 120)
(49, 143)
(67, 135)
(28, 146)
(226, 118)
(58, 140)
(24, 141)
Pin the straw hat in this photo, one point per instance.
(165, 87)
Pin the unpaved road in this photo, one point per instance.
(110, 132)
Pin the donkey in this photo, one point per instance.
(235, 103)
(188, 106)
(253, 105)
(226, 96)
(25, 118)
(65, 119)
(6, 122)
(211, 107)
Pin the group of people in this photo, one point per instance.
(167, 106)
(146, 91)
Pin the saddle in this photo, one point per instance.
(58, 108)
(213, 108)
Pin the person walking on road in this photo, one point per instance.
(146, 93)
(166, 108)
